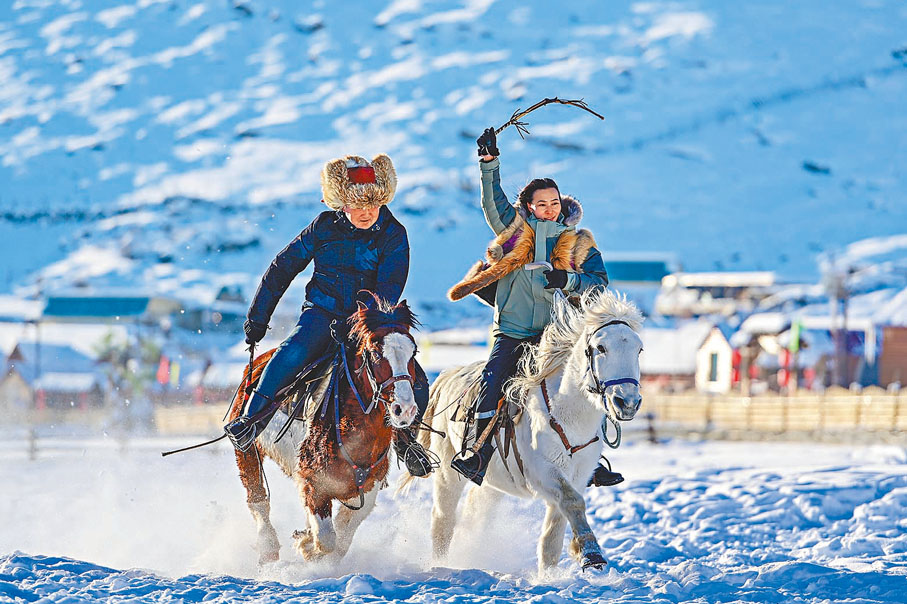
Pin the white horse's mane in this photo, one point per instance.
(567, 328)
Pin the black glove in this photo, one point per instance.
(557, 278)
(254, 331)
(488, 143)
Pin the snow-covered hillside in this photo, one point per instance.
(165, 143)
(695, 522)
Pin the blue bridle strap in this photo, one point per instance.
(620, 381)
(590, 354)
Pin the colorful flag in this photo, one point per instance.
(795, 329)
(163, 371)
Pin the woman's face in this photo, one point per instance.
(546, 204)
(362, 219)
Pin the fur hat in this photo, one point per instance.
(352, 181)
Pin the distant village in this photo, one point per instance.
(750, 333)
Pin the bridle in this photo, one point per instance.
(361, 473)
(379, 390)
(601, 386)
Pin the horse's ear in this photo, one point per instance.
(361, 305)
(403, 303)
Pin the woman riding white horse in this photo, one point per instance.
(586, 366)
(541, 231)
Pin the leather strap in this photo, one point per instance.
(560, 429)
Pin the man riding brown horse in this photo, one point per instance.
(356, 245)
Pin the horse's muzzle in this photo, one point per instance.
(625, 402)
(402, 410)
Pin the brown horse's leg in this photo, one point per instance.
(347, 520)
(252, 476)
(319, 538)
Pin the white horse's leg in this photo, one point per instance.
(570, 503)
(347, 521)
(480, 506)
(551, 541)
(448, 489)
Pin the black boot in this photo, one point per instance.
(605, 477)
(473, 467)
(412, 453)
(243, 430)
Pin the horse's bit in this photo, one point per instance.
(601, 386)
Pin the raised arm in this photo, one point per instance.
(497, 209)
(291, 261)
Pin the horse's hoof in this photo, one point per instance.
(594, 560)
(304, 543)
(268, 557)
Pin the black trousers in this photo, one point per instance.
(501, 366)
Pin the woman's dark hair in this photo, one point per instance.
(536, 184)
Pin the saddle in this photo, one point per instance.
(508, 415)
(301, 400)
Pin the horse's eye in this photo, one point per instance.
(376, 356)
(602, 350)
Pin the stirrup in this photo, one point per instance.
(418, 460)
(474, 466)
(604, 477)
(242, 432)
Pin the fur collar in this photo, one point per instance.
(515, 246)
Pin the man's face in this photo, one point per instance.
(546, 204)
(362, 219)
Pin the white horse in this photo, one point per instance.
(585, 367)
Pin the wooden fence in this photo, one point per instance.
(834, 412)
(194, 419)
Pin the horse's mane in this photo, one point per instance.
(597, 306)
(366, 322)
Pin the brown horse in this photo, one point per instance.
(340, 450)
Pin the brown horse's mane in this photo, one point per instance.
(375, 321)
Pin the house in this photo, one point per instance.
(893, 360)
(639, 275)
(714, 363)
(41, 375)
(108, 307)
(668, 360)
(717, 293)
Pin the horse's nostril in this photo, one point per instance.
(397, 410)
(619, 400)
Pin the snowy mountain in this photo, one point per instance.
(167, 145)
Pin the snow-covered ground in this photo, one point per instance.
(695, 522)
